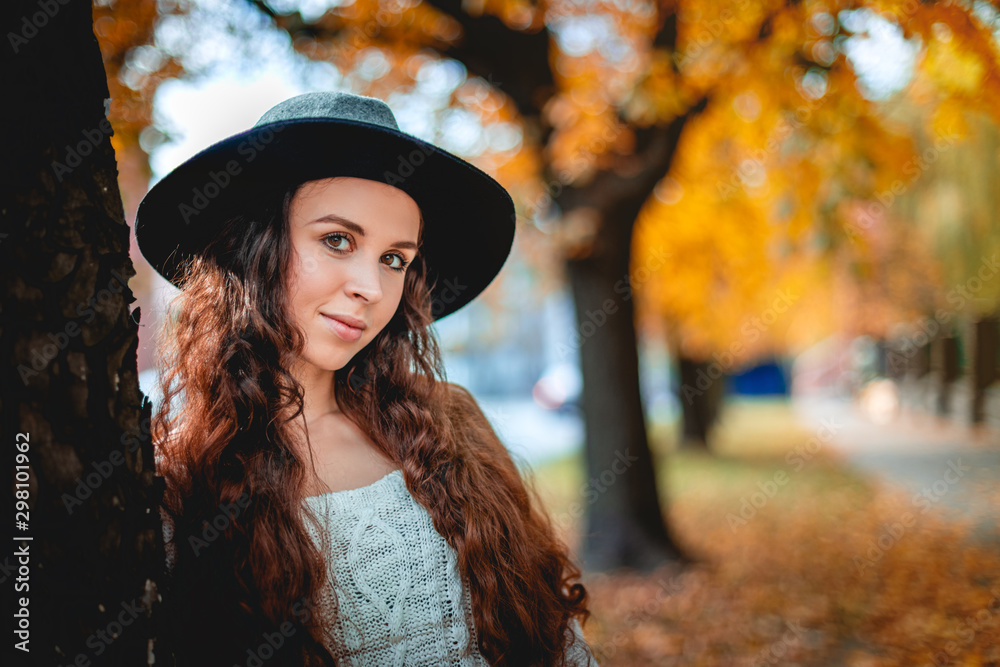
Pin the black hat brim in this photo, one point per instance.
(469, 218)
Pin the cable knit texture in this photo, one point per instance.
(395, 583)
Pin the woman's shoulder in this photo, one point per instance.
(473, 430)
(460, 403)
(466, 414)
(456, 390)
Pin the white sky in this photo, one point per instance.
(884, 59)
(212, 109)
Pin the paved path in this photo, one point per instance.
(942, 463)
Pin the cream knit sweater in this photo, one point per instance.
(395, 579)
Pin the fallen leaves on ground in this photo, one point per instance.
(830, 570)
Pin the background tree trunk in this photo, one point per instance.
(625, 527)
(70, 381)
(944, 364)
(700, 396)
(984, 362)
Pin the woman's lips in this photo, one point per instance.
(346, 332)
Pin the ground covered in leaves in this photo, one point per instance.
(830, 569)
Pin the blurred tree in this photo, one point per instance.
(702, 385)
(954, 204)
(70, 384)
(800, 172)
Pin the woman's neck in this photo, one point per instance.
(319, 397)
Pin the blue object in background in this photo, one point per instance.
(767, 378)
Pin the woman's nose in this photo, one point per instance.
(366, 281)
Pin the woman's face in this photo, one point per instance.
(351, 241)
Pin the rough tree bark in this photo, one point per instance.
(70, 381)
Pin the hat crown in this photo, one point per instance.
(336, 105)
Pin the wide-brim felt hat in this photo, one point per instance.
(469, 218)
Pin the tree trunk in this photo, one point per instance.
(944, 363)
(700, 396)
(90, 525)
(921, 363)
(625, 526)
(983, 362)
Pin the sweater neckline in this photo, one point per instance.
(362, 495)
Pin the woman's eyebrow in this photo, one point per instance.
(358, 229)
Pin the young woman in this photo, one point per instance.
(329, 497)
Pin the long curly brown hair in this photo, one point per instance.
(245, 567)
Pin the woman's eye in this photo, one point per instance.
(402, 261)
(336, 244)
